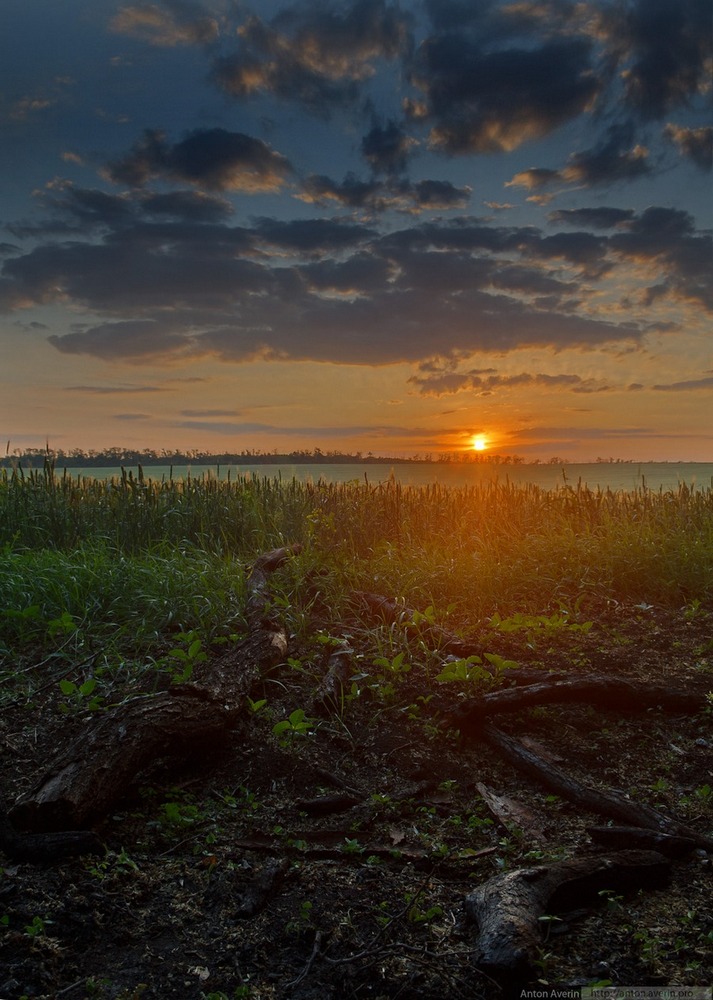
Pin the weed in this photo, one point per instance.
(296, 724)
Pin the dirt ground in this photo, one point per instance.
(333, 859)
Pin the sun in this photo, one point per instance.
(480, 442)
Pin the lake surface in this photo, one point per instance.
(600, 475)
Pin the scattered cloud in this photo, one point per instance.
(151, 23)
(687, 386)
(444, 382)
(216, 159)
(481, 101)
(316, 54)
(113, 390)
(696, 144)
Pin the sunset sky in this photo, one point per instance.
(361, 225)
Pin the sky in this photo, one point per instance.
(358, 226)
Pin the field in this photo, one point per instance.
(324, 848)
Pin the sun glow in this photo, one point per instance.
(480, 442)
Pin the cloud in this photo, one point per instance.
(481, 101)
(113, 390)
(131, 339)
(387, 148)
(446, 382)
(363, 431)
(311, 234)
(183, 25)
(212, 158)
(667, 237)
(341, 291)
(317, 54)
(694, 143)
(687, 386)
(607, 163)
(661, 50)
(592, 218)
(401, 195)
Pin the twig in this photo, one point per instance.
(310, 961)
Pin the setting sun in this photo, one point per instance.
(480, 442)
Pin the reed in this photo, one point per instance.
(487, 547)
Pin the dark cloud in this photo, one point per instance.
(312, 234)
(212, 158)
(694, 143)
(687, 386)
(609, 162)
(446, 382)
(189, 206)
(387, 148)
(668, 237)
(491, 101)
(113, 390)
(594, 218)
(339, 291)
(132, 339)
(314, 53)
(375, 196)
(661, 49)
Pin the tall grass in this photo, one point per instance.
(493, 546)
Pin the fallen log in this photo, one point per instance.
(613, 803)
(508, 907)
(604, 692)
(632, 837)
(44, 847)
(85, 780)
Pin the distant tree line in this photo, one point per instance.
(78, 458)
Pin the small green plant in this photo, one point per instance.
(80, 696)
(559, 621)
(64, 624)
(394, 666)
(471, 670)
(37, 927)
(296, 724)
(417, 915)
(182, 660)
(303, 920)
(257, 706)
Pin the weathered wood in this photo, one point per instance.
(86, 779)
(613, 803)
(329, 696)
(507, 907)
(632, 837)
(43, 847)
(605, 692)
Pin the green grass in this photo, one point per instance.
(132, 562)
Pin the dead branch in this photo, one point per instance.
(507, 908)
(85, 780)
(604, 692)
(612, 803)
(632, 837)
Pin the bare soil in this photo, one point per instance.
(334, 862)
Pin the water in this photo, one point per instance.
(600, 475)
